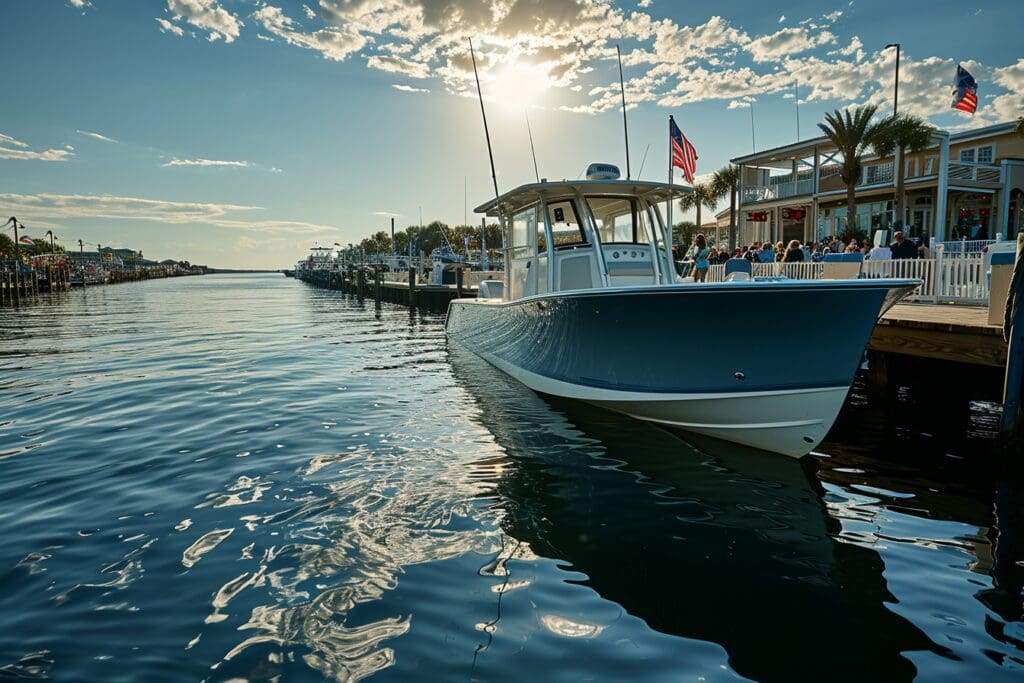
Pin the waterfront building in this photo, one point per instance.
(966, 185)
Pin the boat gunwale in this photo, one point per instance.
(705, 288)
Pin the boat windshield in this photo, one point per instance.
(619, 220)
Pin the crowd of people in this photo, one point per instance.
(701, 254)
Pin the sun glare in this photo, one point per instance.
(519, 85)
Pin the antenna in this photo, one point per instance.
(642, 162)
(529, 130)
(625, 128)
(796, 89)
(483, 114)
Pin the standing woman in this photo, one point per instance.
(700, 258)
(794, 254)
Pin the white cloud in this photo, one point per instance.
(782, 19)
(168, 27)
(96, 136)
(333, 43)
(207, 15)
(787, 41)
(833, 17)
(399, 66)
(8, 140)
(644, 4)
(80, 4)
(408, 88)
(310, 14)
(109, 207)
(1010, 105)
(12, 148)
(208, 162)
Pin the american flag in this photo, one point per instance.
(26, 240)
(965, 94)
(683, 153)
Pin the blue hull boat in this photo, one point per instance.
(591, 309)
(718, 360)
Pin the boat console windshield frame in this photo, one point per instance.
(582, 235)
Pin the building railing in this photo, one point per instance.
(982, 173)
(761, 193)
(960, 278)
(964, 246)
(881, 173)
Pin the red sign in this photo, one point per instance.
(757, 216)
(793, 214)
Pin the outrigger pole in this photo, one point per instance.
(533, 152)
(625, 128)
(483, 113)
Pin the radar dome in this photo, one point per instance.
(603, 172)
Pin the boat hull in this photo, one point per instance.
(767, 365)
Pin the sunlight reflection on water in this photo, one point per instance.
(243, 477)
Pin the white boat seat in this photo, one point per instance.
(491, 289)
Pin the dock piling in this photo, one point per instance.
(1012, 425)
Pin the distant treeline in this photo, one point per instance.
(428, 237)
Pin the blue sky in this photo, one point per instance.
(241, 132)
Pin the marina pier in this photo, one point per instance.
(407, 288)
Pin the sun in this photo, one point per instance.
(518, 85)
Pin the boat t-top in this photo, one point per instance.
(591, 308)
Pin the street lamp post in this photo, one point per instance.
(17, 245)
(896, 88)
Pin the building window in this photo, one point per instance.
(967, 156)
(985, 154)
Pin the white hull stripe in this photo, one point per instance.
(557, 387)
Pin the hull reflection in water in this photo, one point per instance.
(718, 543)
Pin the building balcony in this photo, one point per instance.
(763, 193)
(979, 173)
(874, 175)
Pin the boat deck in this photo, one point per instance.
(950, 332)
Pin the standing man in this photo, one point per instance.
(902, 247)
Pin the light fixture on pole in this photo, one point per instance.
(896, 88)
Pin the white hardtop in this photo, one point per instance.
(524, 195)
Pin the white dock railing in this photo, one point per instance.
(957, 278)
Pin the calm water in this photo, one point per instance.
(241, 477)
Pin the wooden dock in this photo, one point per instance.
(368, 283)
(949, 332)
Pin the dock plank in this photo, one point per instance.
(954, 333)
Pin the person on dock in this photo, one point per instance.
(901, 247)
(700, 258)
(794, 254)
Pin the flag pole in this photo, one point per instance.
(669, 211)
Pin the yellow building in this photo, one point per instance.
(966, 185)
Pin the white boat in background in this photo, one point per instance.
(591, 308)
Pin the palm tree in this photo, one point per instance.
(906, 133)
(852, 135)
(702, 194)
(726, 181)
